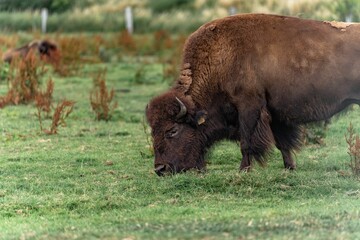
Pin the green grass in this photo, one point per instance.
(94, 180)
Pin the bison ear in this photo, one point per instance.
(200, 117)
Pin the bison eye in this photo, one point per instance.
(172, 132)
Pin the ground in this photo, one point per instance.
(95, 179)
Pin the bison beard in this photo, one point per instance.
(255, 79)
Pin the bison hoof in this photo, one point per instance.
(290, 167)
(245, 169)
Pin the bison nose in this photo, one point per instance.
(161, 169)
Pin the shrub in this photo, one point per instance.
(101, 99)
(43, 99)
(23, 78)
(61, 112)
(127, 42)
(71, 50)
(162, 40)
(171, 63)
(43, 102)
(353, 142)
(171, 67)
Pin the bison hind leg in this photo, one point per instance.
(287, 139)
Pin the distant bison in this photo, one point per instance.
(256, 79)
(46, 50)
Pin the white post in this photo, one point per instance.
(232, 10)
(129, 20)
(349, 18)
(44, 17)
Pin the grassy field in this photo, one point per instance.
(95, 179)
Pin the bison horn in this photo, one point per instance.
(182, 109)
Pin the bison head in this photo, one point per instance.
(45, 47)
(179, 140)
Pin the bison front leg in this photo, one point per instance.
(245, 164)
(256, 136)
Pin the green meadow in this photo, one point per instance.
(95, 179)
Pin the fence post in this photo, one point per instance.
(232, 10)
(129, 20)
(44, 17)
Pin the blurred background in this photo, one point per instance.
(173, 16)
(141, 32)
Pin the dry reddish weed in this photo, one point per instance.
(127, 42)
(43, 100)
(71, 52)
(101, 98)
(162, 40)
(61, 112)
(23, 80)
(353, 141)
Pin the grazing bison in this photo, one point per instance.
(46, 50)
(254, 78)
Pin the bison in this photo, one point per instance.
(254, 78)
(47, 51)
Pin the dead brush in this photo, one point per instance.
(171, 65)
(71, 60)
(23, 80)
(61, 112)
(127, 42)
(93, 47)
(43, 102)
(101, 98)
(9, 41)
(171, 62)
(162, 40)
(353, 142)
